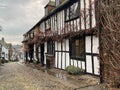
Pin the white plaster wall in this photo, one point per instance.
(35, 52)
(63, 60)
(52, 24)
(78, 25)
(82, 15)
(61, 22)
(65, 56)
(88, 64)
(58, 21)
(56, 45)
(93, 14)
(42, 27)
(75, 63)
(87, 14)
(63, 19)
(59, 46)
(45, 51)
(83, 65)
(71, 61)
(55, 23)
(96, 66)
(59, 62)
(88, 44)
(95, 45)
(79, 64)
(56, 59)
(63, 45)
(5, 50)
(67, 59)
(67, 45)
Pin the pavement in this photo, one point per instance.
(18, 76)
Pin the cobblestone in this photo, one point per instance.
(14, 76)
(17, 76)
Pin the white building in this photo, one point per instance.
(5, 50)
(17, 53)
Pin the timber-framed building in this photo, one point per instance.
(67, 34)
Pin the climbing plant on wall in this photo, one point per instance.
(110, 41)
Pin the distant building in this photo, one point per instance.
(5, 50)
(17, 53)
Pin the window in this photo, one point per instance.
(77, 48)
(72, 12)
(47, 23)
(57, 2)
(50, 47)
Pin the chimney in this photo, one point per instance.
(49, 7)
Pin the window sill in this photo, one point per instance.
(78, 58)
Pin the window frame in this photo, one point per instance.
(72, 42)
(71, 15)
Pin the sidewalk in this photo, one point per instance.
(82, 82)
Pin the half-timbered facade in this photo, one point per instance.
(68, 35)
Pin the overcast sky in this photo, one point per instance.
(18, 16)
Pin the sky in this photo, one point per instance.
(19, 16)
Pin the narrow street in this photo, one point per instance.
(17, 76)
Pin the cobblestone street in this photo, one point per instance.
(17, 76)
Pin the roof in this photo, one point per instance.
(55, 10)
(6, 45)
(64, 4)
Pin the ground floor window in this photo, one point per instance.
(77, 48)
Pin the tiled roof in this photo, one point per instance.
(57, 9)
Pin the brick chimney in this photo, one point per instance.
(49, 7)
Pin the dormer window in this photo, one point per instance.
(49, 7)
(72, 12)
(57, 2)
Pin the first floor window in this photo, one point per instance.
(77, 48)
(72, 12)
